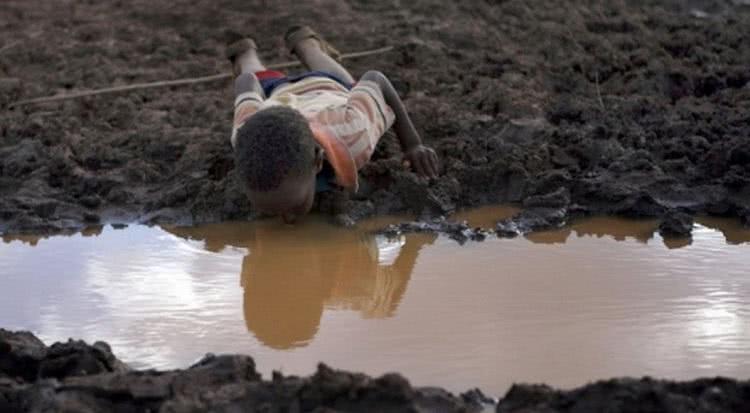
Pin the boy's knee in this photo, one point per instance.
(244, 82)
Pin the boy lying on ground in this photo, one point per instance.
(295, 136)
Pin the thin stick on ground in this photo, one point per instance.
(177, 82)
(598, 91)
(9, 46)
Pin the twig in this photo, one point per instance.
(177, 82)
(9, 46)
(598, 91)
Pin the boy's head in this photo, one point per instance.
(278, 159)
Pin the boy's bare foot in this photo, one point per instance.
(300, 37)
(315, 53)
(242, 53)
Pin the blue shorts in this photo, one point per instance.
(271, 79)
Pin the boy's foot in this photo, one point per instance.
(237, 45)
(297, 34)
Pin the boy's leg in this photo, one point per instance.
(312, 55)
(248, 62)
(243, 54)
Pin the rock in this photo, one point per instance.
(676, 224)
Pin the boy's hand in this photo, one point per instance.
(423, 160)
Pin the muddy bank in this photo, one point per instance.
(75, 376)
(636, 109)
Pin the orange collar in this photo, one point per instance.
(338, 155)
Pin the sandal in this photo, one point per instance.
(297, 34)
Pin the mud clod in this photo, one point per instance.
(27, 358)
(458, 231)
(532, 219)
(676, 224)
(631, 395)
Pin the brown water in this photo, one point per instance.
(602, 298)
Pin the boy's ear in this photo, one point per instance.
(319, 156)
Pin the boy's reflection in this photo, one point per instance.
(291, 273)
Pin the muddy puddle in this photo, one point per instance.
(601, 298)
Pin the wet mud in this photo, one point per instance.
(76, 376)
(639, 109)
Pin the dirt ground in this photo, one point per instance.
(634, 108)
(78, 377)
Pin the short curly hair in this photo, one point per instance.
(273, 144)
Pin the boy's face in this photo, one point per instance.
(293, 198)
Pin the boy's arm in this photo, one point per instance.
(423, 159)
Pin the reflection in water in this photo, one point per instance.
(292, 272)
(618, 229)
(600, 298)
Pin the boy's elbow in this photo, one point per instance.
(375, 76)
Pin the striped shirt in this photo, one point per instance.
(346, 123)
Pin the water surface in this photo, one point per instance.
(601, 298)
